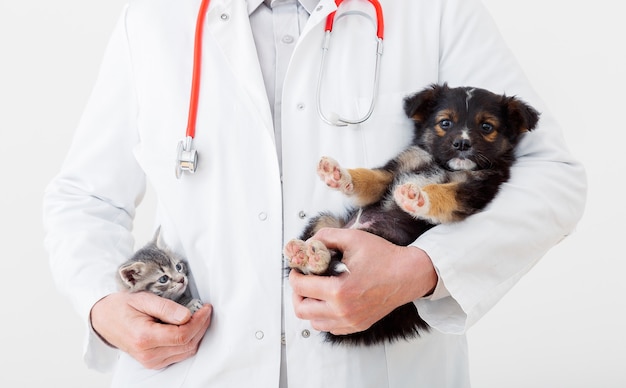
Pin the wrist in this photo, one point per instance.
(423, 274)
(91, 322)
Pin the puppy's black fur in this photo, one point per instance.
(462, 151)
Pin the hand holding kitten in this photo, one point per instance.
(157, 332)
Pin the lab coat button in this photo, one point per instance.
(282, 339)
(300, 106)
(259, 335)
(225, 17)
(288, 39)
(306, 333)
(302, 214)
(262, 216)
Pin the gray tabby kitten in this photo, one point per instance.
(157, 269)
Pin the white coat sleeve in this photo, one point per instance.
(89, 206)
(480, 259)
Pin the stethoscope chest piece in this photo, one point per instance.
(186, 157)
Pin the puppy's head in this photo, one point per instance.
(468, 128)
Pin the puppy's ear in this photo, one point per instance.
(521, 115)
(422, 104)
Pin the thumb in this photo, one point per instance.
(163, 309)
(334, 238)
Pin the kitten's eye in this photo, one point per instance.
(445, 124)
(179, 267)
(163, 279)
(486, 127)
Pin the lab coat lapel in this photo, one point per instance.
(319, 14)
(229, 24)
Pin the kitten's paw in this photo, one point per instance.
(309, 257)
(194, 305)
(334, 175)
(412, 199)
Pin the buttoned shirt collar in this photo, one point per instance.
(309, 5)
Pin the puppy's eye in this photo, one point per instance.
(445, 124)
(486, 127)
(163, 279)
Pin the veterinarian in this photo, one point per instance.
(258, 138)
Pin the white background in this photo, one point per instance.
(563, 325)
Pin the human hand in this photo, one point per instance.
(157, 332)
(382, 277)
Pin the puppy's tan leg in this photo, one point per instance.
(435, 203)
(364, 185)
(370, 185)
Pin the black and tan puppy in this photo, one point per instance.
(461, 153)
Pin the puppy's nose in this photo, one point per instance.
(462, 144)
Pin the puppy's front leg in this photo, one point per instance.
(366, 186)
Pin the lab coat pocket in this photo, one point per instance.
(130, 373)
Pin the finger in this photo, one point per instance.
(310, 286)
(319, 315)
(334, 238)
(311, 309)
(185, 351)
(165, 310)
(169, 344)
(182, 335)
(201, 320)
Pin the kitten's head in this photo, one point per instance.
(155, 269)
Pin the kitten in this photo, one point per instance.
(461, 153)
(157, 269)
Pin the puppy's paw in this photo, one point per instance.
(309, 257)
(295, 254)
(194, 305)
(334, 175)
(412, 199)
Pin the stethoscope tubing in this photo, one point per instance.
(380, 21)
(187, 157)
(335, 119)
(197, 70)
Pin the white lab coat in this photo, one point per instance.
(231, 218)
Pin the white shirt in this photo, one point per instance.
(276, 26)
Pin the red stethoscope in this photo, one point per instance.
(187, 155)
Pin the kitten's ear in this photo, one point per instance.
(157, 240)
(131, 272)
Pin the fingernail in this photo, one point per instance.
(181, 315)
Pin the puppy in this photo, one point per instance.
(461, 153)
